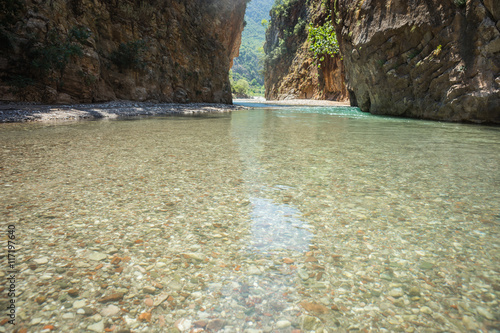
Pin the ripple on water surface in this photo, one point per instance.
(305, 219)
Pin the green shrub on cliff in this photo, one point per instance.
(323, 40)
(129, 55)
(281, 7)
(52, 59)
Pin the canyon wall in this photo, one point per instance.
(291, 70)
(68, 51)
(425, 59)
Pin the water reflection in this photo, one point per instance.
(277, 227)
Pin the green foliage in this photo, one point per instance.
(281, 8)
(413, 54)
(299, 27)
(249, 64)
(436, 52)
(323, 40)
(278, 51)
(79, 34)
(254, 87)
(57, 51)
(241, 87)
(88, 79)
(129, 55)
(20, 82)
(460, 3)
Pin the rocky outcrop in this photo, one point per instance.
(67, 51)
(291, 70)
(425, 59)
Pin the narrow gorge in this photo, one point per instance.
(419, 59)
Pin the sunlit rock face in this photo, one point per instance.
(425, 59)
(291, 70)
(99, 50)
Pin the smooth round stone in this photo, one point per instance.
(41, 261)
(97, 256)
(68, 316)
(396, 292)
(426, 310)
(97, 327)
(79, 304)
(283, 324)
(110, 311)
(414, 291)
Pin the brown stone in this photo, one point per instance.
(314, 307)
(146, 316)
(40, 299)
(200, 323)
(111, 298)
(215, 324)
(73, 292)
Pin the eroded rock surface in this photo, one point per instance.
(93, 51)
(424, 59)
(291, 70)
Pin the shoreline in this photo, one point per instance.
(293, 102)
(26, 112)
(12, 112)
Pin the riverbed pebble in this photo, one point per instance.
(201, 224)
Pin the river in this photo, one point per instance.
(291, 219)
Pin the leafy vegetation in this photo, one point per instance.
(282, 7)
(52, 59)
(249, 64)
(129, 55)
(323, 40)
(285, 33)
(241, 87)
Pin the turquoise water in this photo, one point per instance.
(285, 218)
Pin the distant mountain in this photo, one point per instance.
(248, 65)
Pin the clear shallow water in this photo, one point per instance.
(285, 218)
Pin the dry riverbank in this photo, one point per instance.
(17, 112)
(25, 112)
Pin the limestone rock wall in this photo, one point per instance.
(291, 71)
(425, 59)
(67, 51)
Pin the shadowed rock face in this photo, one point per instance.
(291, 70)
(67, 51)
(425, 59)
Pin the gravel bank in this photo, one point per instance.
(16, 112)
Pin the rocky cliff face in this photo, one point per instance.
(291, 71)
(424, 59)
(66, 51)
